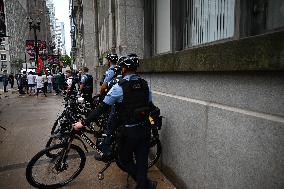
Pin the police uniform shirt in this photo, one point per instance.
(109, 74)
(84, 78)
(116, 93)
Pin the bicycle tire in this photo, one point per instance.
(154, 157)
(56, 122)
(55, 129)
(36, 159)
(52, 142)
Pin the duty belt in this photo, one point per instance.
(134, 125)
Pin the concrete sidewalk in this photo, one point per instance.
(25, 124)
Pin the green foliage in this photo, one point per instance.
(66, 60)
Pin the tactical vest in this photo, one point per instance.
(88, 86)
(134, 107)
(116, 71)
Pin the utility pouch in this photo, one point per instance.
(141, 114)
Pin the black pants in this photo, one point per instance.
(135, 140)
(111, 122)
(5, 88)
(88, 98)
(37, 91)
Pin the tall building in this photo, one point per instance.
(215, 68)
(39, 9)
(51, 9)
(60, 38)
(13, 47)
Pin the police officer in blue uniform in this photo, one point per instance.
(110, 73)
(133, 98)
(86, 85)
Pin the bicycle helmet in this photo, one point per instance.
(112, 57)
(130, 63)
(121, 59)
(134, 57)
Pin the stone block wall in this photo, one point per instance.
(221, 129)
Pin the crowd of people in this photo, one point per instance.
(32, 83)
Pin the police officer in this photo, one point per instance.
(110, 73)
(86, 85)
(132, 98)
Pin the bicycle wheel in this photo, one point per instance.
(60, 126)
(53, 142)
(154, 152)
(56, 123)
(45, 172)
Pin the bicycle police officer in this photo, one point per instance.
(132, 98)
(110, 73)
(86, 85)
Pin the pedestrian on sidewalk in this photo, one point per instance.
(57, 83)
(11, 80)
(45, 83)
(39, 84)
(5, 82)
(31, 83)
(49, 82)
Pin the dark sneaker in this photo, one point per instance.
(152, 184)
(106, 150)
(98, 157)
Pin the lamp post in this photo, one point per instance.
(35, 26)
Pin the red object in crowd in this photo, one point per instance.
(40, 66)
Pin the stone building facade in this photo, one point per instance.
(17, 30)
(77, 29)
(216, 71)
(39, 9)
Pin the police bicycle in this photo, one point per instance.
(68, 160)
(76, 109)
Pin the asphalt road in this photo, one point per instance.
(25, 124)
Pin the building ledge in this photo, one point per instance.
(263, 52)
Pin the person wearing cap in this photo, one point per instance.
(110, 73)
(133, 101)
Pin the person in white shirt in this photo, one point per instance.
(31, 83)
(69, 82)
(39, 84)
(49, 81)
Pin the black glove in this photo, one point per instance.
(101, 108)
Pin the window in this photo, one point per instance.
(207, 21)
(163, 27)
(258, 17)
(3, 57)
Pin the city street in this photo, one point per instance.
(25, 124)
